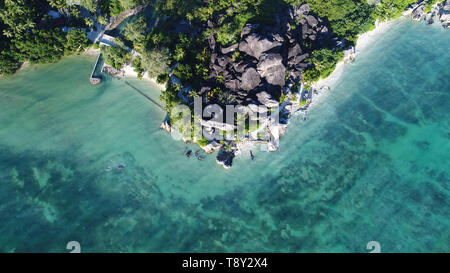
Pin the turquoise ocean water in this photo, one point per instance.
(370, 163)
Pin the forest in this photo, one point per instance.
(225, 19)
(29, 34)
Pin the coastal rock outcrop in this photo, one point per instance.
(267, 56)
(272, 69)
(225, 158)
(418, 13)
(443, 11)
(212, 147)
(259, 69)
(250, 79)
(266, 99)
(256, 44)
(439, 14)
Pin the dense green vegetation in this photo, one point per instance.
(30, 34)
(155, 63)
(108, 7)
(347, 18)
(324, 61)
(76, 41)
(388, 9)
(115, 56)
(225, 19)
(134, 32)
(430, 4)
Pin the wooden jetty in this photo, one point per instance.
(144, 95)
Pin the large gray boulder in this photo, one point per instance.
(312, 21)
(233, 84)
(302, 10)
(217, 68)
(223, 61)
(240, 67)
(418, 13)
(444, 14)
(229, 49)
(250, 79)
(298, 12)
(272, 69)
(212, 42)
(295, 56)
(256, 44)
(266, 99)
(249, 28)
(301, 58)
(294, 51)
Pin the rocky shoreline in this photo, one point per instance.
(440, 13)
(268, 63)
(258, 71)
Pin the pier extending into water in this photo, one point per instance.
(144, 95)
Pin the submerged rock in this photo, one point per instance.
(225, 158)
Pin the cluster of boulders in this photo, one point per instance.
(266, 62)
(439, 14)
(256, 69)
(114, 72)
(225, 157)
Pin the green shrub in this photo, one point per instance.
(202, 142)
(115, 56)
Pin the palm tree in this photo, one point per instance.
(8, 33)
(89, 22)
(29, 23)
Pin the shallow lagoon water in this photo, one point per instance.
(370, 163)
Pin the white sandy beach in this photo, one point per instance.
(364, 41)
(129, 72)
